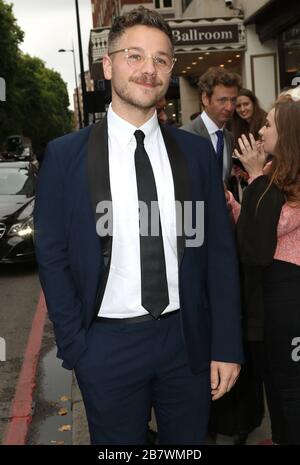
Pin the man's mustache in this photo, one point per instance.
(146, 79)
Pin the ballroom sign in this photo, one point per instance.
(218, 34)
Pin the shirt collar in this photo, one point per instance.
(119, 127)
(210, 124)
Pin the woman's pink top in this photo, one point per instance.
(288, 230)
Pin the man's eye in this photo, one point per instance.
(135, 57)
(160, 61)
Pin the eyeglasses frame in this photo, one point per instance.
(126, 50)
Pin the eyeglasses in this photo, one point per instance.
(136, 58)
(224, 100)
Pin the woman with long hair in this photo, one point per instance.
(268, 234)
(248, 116)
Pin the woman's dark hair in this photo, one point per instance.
(285, 168)
(240, 126)
(138, 17)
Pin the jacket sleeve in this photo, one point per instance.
(223, 278)
(51, 245)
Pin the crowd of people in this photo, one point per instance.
(266, 167)
(149, 321)
(261, 159)
(268, 238)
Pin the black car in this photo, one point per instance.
(17, 190)
(17, 148)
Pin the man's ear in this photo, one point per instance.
(107, 65)
(205, 100)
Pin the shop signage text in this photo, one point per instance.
(206, 34)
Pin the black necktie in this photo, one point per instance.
(155, 296)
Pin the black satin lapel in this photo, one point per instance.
(98, 178)
(180, 179)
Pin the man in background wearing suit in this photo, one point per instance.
(218, 92)
(146, 319)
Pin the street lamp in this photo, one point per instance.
(77, 90)
(82, 73)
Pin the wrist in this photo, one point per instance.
(230, 199)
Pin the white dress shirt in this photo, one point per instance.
(122, 296)
(212, 128)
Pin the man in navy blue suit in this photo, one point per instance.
(147, 318)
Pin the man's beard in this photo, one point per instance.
(127, 95)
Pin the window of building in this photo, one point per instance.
(185, 4)
(289, 56)
(163, 3)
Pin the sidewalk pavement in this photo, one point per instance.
(80, 434)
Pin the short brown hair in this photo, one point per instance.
(216, 76)
(138, 17)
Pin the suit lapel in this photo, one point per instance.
(180, 179)
(230, 146)
(98, 178)
(201, 128)
(100, 191)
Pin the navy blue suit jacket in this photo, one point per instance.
(74, 261)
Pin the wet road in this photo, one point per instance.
(52, 419)
(52, 422)
(19, 293)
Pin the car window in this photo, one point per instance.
(16, 181)
(14, 144)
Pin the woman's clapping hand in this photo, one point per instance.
(251, 155)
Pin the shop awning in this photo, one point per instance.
(274, 18)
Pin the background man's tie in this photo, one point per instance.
(220, 148)
(155, 295)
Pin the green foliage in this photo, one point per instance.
(37, 99)
(43, 99)
(10, 38)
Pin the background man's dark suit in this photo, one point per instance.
(198, 127)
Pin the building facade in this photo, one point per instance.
(259, 39)
(90, 88)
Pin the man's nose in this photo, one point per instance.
(230, 106)
(148, 65)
